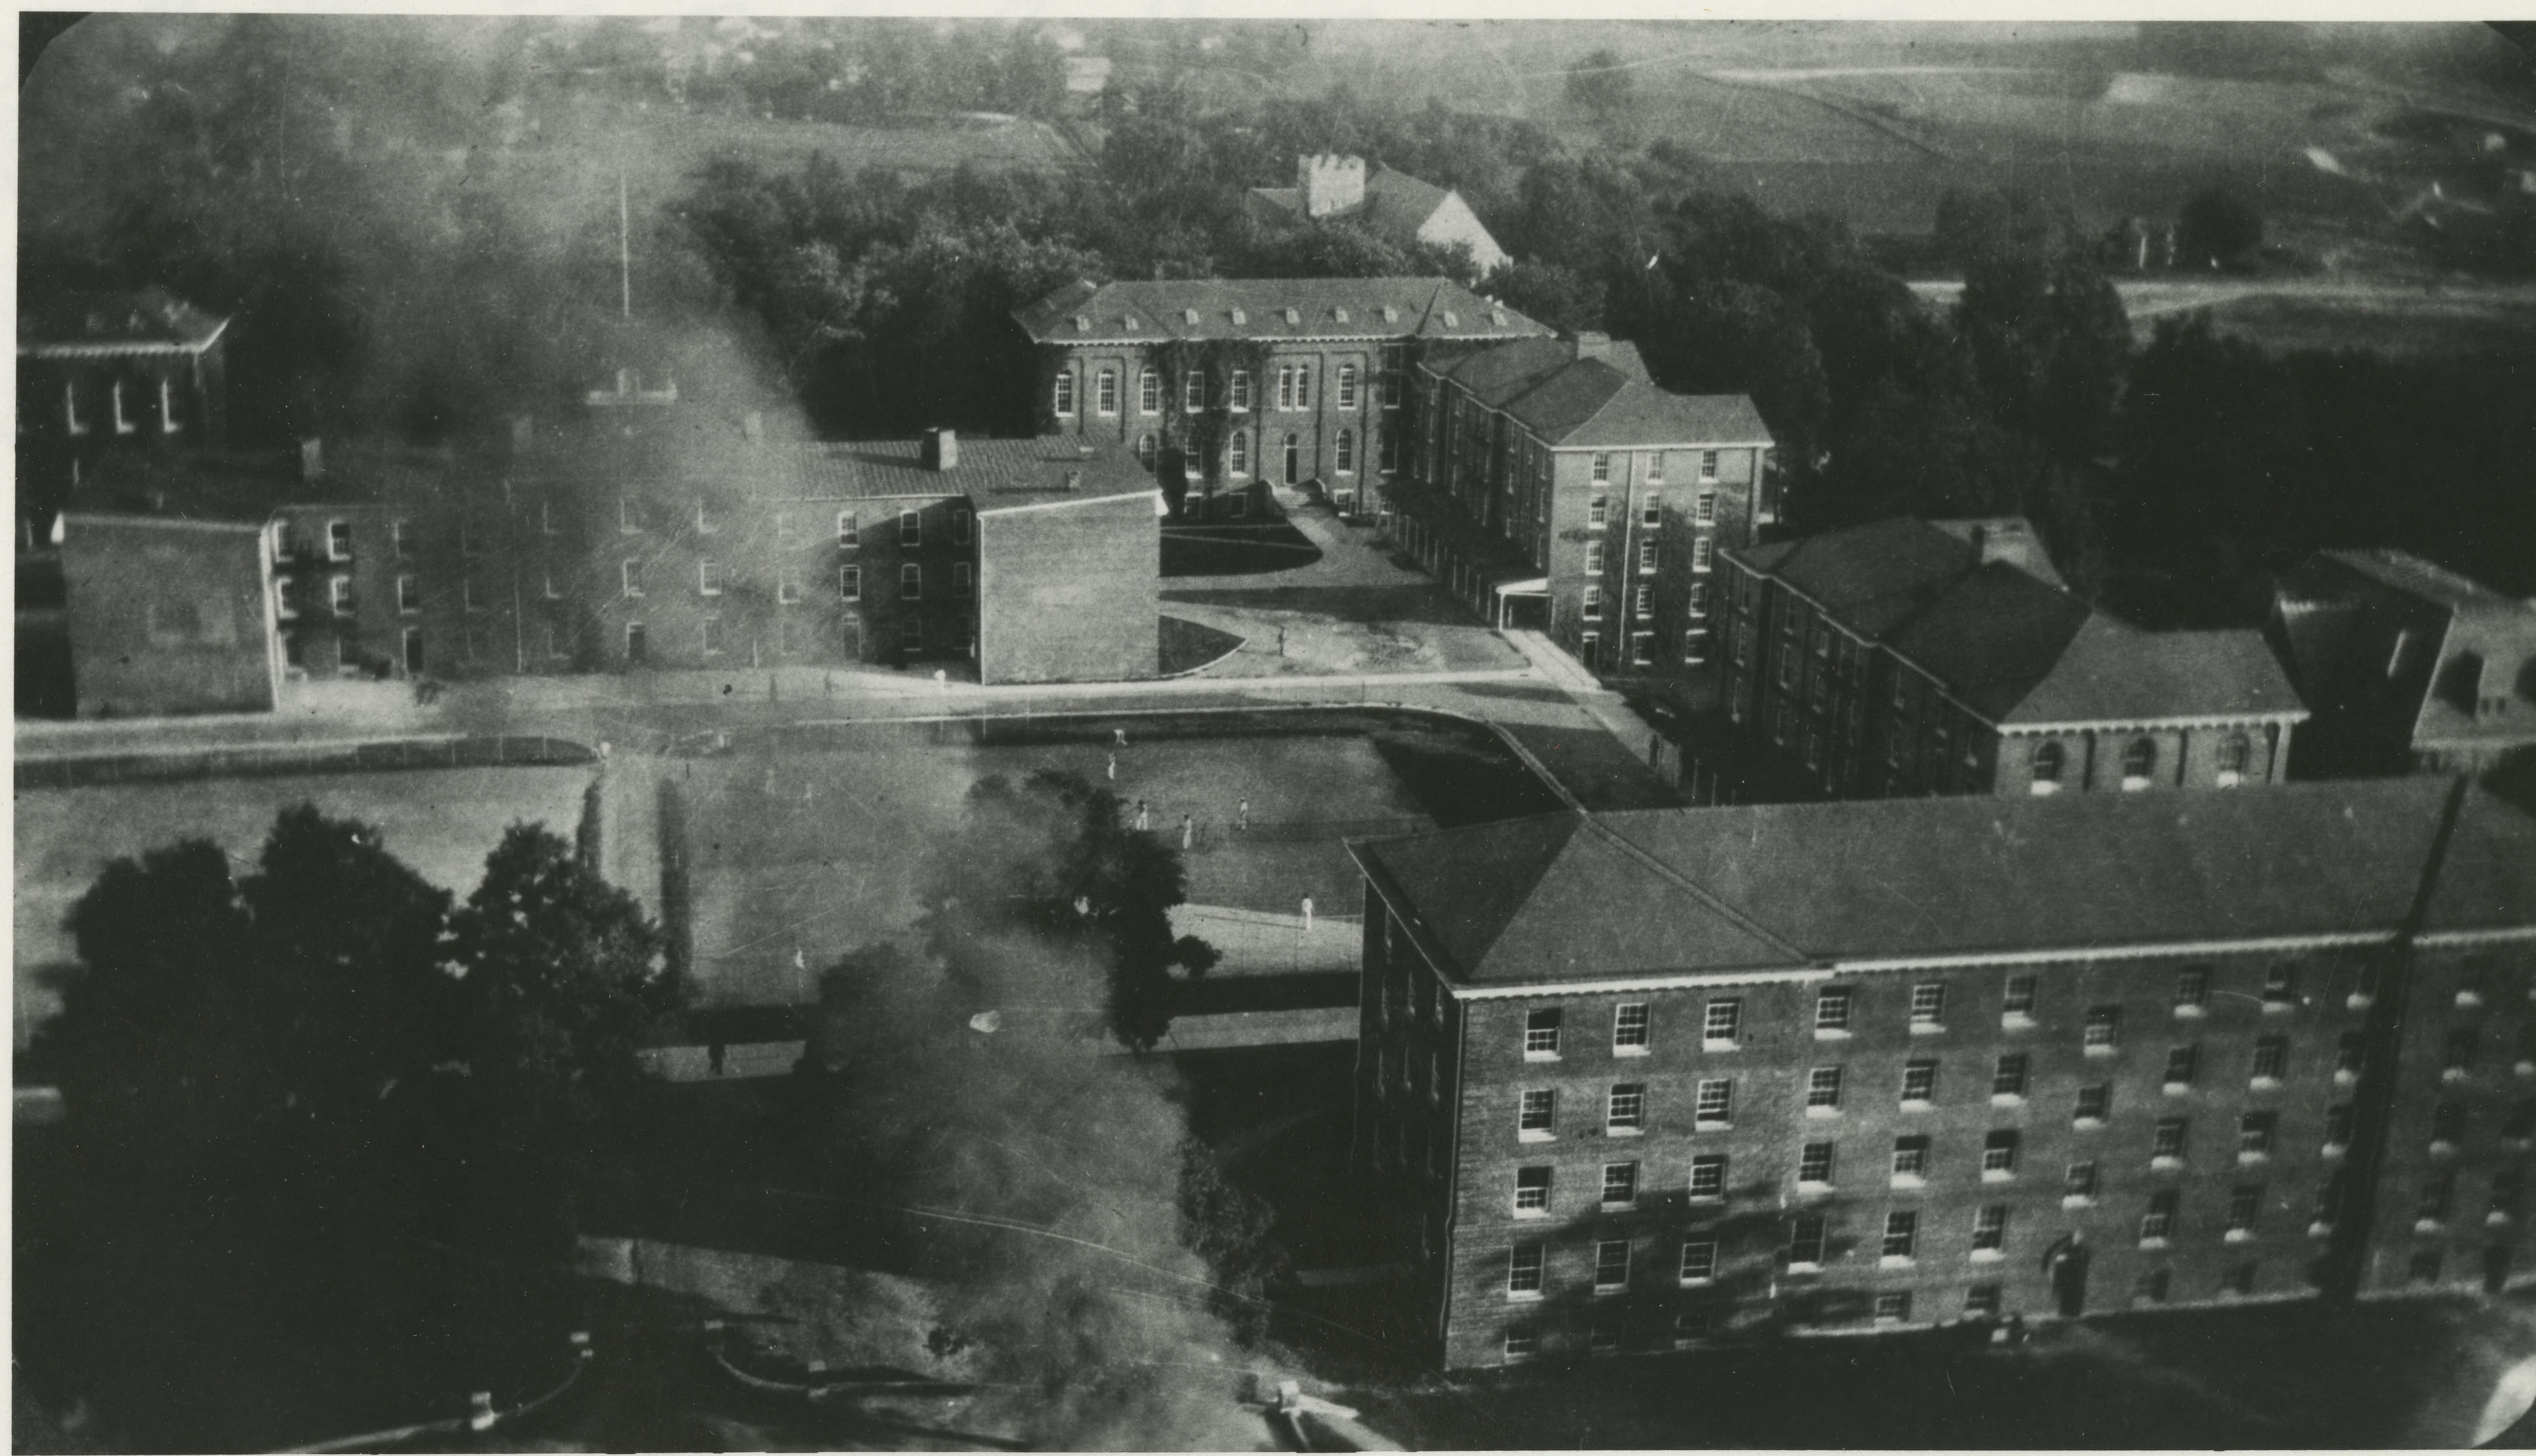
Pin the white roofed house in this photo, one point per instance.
(1389, 204)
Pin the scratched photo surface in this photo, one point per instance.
(836, 733)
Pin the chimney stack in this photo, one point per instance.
(312, 458)
(1593, 346)
(940, 450)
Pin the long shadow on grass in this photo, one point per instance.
(1415, 602)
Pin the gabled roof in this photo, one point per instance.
(2410, 574)
(1154, 312)
(1549, 899)
(2112, 674)
(1992, 635)
(1872, 576)
(148, 320)
(1597, 395)
(251, 486)
(1395, 203)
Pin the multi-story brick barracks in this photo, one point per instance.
(705, 546)
(1553, 486)
(1634, 1080)
(1241, 384)
(1905, 658)
(102, 373)
(2408, 666)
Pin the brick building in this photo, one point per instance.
(102, 373)
(1388, 204)
(1637, 1081)
(1241, 384)
(1553, 486)
(169, 614)
(1906, 657)
(2407, 665)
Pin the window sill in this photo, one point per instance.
(1698, 1281)
(1916, 1105)
(2320, 1230)
(2429, 1226)
(2016, 1021)
(1804, 1266)
(2358, 1001)
(1704, 1127)
(2264, 1084)
(1812, 1191)
(1624, 1132)
(1896, 1261)
(2007, 1099)
(1928, 1029)
(1908, 1180)
(2177, 1089)
(1541, 1056)
(2496, 1219)
(1536, 1135)
(1989, 1255)
(2345, 1079)
(1532, 1213)
(1523, 1296)
(2252, 1160)
(2102, 1050)
(2086, 1125)
(2154, 1240)
(1632, 1051)
(2191, 1012)
(1831, 1034)
(2279, 1008)
(2468, 1000)
(1707, 1197)
(1711, 1045)
(2079, 1200)
(2165, 1163)
(2452, 1075)
(2238, 1236)
(2333, 1149)
(1823, 1111)
(1608, 1291)
(2440, 1148)
(1998, 1174)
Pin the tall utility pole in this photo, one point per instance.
(624, 251)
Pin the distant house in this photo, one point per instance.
(1908, 656)
(110, 373)
(2409, 667)
(1389, 204)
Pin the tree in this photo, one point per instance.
(1599, 84)
(1979, 225)
(2218, 229)
(1552, 293)
(1050, 857)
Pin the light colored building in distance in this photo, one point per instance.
(1392, 204)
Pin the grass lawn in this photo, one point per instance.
(803, 851)
(1236, 551)
(442, 822)
(1189, 645)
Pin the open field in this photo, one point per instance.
(2493, 320)
(441, 822)
(800, 853)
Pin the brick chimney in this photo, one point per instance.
(1593, 346)
(312, 458)
(1329, 183)
(940, 450)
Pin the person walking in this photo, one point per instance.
(1117, 737)
(1243, 820)
(1143, 818)
(1188, 831)
(1113, 767)
(1307, 915)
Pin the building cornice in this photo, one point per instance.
(2283, 716)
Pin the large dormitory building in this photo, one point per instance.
(1638, 1080)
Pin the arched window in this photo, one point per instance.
(1239, 461)
(1065, 392)
(2139, 760)
(2048, 761)
(2235, 753)
(1105, 400)
(1345, 454)
(1147, 449)
(1149, 393)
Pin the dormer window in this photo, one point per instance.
(1294, 316)
(1082, 323)
(1390, 315)
(1188, 316)
(1496, 316)
(1241, 316)
(1130, 322)
(1339, 314)
(1452, 320)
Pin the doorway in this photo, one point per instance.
(414, 650)
(1293, 459)
(636, 649)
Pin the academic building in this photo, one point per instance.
(1554, 487)
(1239, 384)
(1909, 657)
(101, 374)
(1634, 1082)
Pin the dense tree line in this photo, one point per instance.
(318, 1114)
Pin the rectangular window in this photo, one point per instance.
(1106, 391)
(1602, 466)
(911, 529)
(1920, 1080)
(1627, 1108)
(2192, 990)
(959, 525)
(1065, 394)
(1593, 609)
(1822, 1087)
(1990, 1228)
(1646, 563)
(960, 578)
(339, 541)
(910, 632)
(2009, 1080)
(2078, 1181)
(2280, 987)
(1814, 1165)
(1722, 1026)
(1522, 1341)
(1523, 1269)
(1629, 1027)
(1149, 393)
(2348, 1054)
(712, 635)
(846, 535)
(1593, 558)
(400, 538)
(1901, 1234)
(1237, 393)
(911, 582)
(850, 584)
(1541, 1033)
(2168, 1140)
(408, 594)
(1805, 1238)
(784, 528)
(1910, 1159)
(2159, 1221)
(1929, 1006)
(1703, 550)
(1598, 510)
(1194, 392)
(2094, 1102)
(1619, 1185)
(2179, 1063)
(2017, 1003)
(1698, 1260)
(2456, 1052)
(2271, 1058)
(2337, 1127)
(1347, 386)
(1716, 1104)
(1708, 1175)
(788, 585)
(1530, 1190)
(2104, 1027)
(1982, 1301)
(2245, 1203)
(1999, 1154)
(1831, 1009)
(1538, 1117)
(630, 577)
(704, 518)
(709, 578)
(1708, 464)
(1610, 1265)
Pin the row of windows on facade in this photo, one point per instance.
(1237, 451)
(1294, 389)
(1612, 1332)
(118, 413)
(556, 643)
(1836, 1009)
(403, 540)
(710, 582)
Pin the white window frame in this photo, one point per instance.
(788, 585)
(850, 584)
(1193, 391)
(169, 423)
(1726, 1012)
(911, 528)
(1236, 392)
(123, 424)
(1149, 391)
(709, 580)
(408, 594)
(338, 539)
(1633, 1035)
(629, 577)
(1063, 403)
(911, 581)
(1104, 391)
(70, 407)
(1347, 395)
(338, 594)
